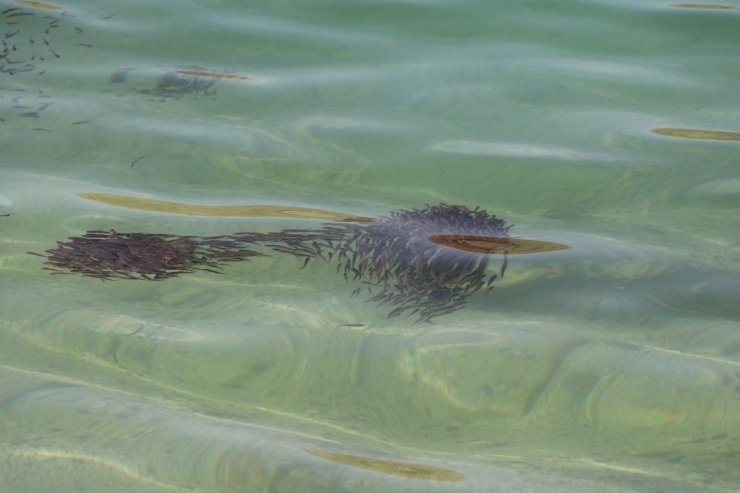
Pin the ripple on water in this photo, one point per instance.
(6, 205)
(724, 192)
(632, 388)
(114, 433)
(501, 372)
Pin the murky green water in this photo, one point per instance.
(610, 127)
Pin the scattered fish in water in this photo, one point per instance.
(395, 254)
(21, 52)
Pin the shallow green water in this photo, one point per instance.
(614, 365)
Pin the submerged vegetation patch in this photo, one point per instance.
(423, 262)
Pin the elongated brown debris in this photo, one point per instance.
(405, 256)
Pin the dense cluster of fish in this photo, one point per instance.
(393, 254)
(415, 274)
(110, 255)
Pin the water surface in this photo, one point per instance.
(609, 127)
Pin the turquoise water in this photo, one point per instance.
(610, 127)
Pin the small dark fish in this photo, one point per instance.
(31, 114)
(41, 129)
(141, 327)
(396, 312)
(86, 45)
(78, 30)
(10, 35)
(18, 14)
(81, 122)
(136, 161)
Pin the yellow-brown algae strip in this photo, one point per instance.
(154, 205)
(691, 133)
(707, 6)
(213, 75)
(38, 5)
(392, 467)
